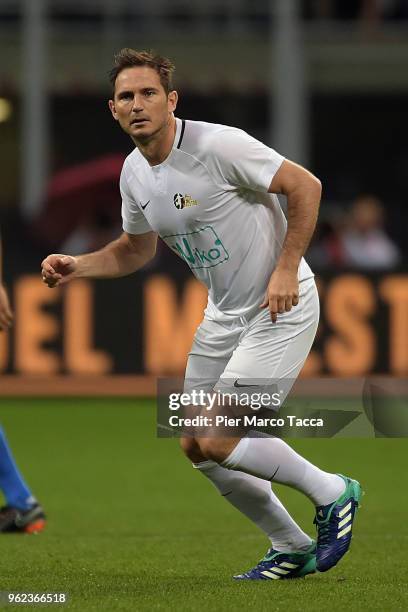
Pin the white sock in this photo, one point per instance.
(255, 498)
(272, 459)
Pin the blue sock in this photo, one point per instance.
(12, 484)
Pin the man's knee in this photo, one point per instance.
(191, 449)
(216, 449)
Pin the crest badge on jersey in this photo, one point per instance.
(184, 201)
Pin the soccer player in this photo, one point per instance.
(209, 192)
(22, 513)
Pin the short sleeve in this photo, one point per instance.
(133, 220)
(243, 161)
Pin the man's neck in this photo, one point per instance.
(158, 148)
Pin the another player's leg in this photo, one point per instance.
(22, 513)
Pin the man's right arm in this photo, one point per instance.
(118, 258)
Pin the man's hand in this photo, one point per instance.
(282, 293)
(58, 269)
(6, 316)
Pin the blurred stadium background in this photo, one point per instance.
(322, 81)
(131, 526)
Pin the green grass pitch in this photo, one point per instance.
(133, 527)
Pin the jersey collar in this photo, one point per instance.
(180, 127)
(178, 139)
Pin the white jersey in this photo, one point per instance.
(209, 202)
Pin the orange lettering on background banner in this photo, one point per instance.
(34, 327)
(170, 324)
(80, 357)
(350, 300)
(394, 291)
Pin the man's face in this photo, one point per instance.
(140, 102)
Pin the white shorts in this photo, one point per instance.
(245, 353)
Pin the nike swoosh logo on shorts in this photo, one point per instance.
(143, 206)
(236, 384)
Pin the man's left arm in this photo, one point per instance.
(303, 192)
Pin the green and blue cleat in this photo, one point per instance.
(283, 566)
(334, 524)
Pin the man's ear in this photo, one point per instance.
(112, 109)
(172, 99)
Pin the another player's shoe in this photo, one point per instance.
(281, 566)
(334, 524)
(13, 520)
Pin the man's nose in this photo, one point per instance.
(137, 104)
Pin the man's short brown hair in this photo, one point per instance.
(127, 58)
